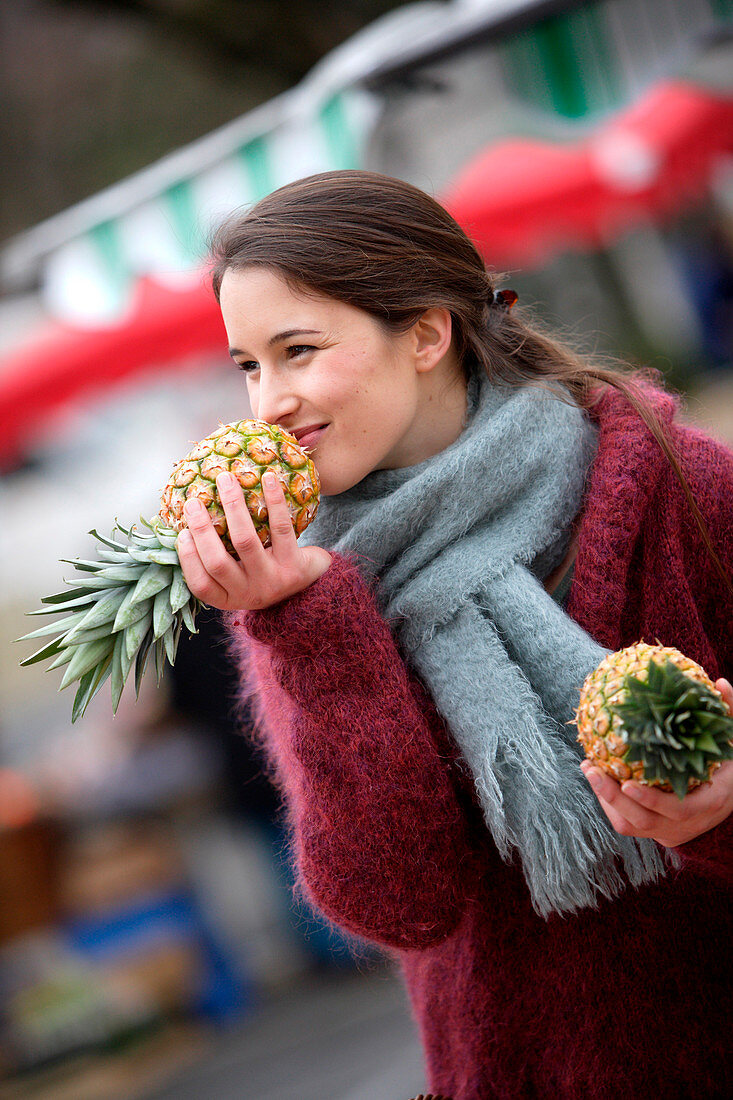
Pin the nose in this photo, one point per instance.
(271, 397)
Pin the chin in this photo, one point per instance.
(332, 485)
(333, 488)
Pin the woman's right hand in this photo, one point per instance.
(262, 577)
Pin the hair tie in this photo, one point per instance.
(503, 299)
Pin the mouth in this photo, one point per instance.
(308, 436)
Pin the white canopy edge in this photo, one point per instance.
(347, 66)
(397, 37)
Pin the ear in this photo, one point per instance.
(432, 334)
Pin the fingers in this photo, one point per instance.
(635, 809)
(261, 577)
(242, 530)
(282, 534)
(660, 802)
(726, 690)
(707, 798)
(212, 562)
(628, 817)
(240, 524)
(199, 582)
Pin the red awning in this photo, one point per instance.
(163, 327)
(522, 201)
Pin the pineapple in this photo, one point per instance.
(651, 714)
(133, 600)
(244, 449)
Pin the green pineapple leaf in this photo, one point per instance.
(674, 725)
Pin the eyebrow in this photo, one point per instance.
(280, 336)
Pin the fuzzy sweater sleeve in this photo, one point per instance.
(708, 466)
(378, 832)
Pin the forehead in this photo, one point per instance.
(246, 284)
(257, 302)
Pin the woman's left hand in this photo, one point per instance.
(635, 809)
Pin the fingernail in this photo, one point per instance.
(193, 507)
(185, 537)
(225, 481)
(269, 480)
(594, 779)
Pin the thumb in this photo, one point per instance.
(318, 561)
(726, 691)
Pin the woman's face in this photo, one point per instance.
(328, 373)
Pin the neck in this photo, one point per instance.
(441, 416)
(445, 407)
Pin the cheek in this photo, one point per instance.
(367, 392)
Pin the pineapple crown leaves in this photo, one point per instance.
(128, 604)
(674, 725)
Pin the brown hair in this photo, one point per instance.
(388, 248)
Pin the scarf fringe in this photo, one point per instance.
(452, 542)
(535, 800)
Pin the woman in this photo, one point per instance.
(497, 514)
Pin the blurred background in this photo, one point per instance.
(150, 941)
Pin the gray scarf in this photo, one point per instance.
(460, 544)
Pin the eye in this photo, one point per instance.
(248, 367)
(296, 350)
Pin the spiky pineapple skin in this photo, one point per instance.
(132, 600)
(245, 448)
(599, 729)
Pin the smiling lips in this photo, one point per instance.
(309, 436)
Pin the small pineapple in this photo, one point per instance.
(651, 714)
(133, 598)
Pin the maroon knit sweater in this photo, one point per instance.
(627, 1001)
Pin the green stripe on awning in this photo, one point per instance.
(105, 239)
(723, 9)
(256, 157)
(339, 133)
(564, 64)
(181, 207)
(603, 82)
